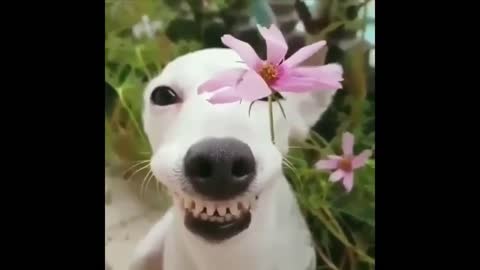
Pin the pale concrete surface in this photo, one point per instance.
(128, 217)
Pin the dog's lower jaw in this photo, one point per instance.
(277, 238)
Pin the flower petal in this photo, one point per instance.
(361, 159)
(225, 95)
(276, 45)
(252, 87)
(303, 84)
(326, 73)
(303, 54)
(276, 34)
(348, 181)
(336, 176)
(347, 143)
(326, 164)
(225, 78)
(335, 157)
(303, 79)
(243, 49)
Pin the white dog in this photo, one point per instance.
(233, 208)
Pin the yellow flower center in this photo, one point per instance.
(345, 165)
(269, 73)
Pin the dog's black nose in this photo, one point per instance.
(220, 168)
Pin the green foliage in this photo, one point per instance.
(342, 223)
(129, 64)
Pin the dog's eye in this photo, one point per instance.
(163, 96)
(276, 96)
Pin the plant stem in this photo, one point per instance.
(324, 257)
(132, 118)
(342, 238)
(138, 53)
(270, 112)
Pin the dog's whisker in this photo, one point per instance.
(289, 166)
(134, 166)
(137, 171)
(148, 182)
(294, 158)
(143, 184)
(157, 187)
(288, 163)
(137, 163)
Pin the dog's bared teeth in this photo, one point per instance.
(212, 219)
(234, 209)
(187, 203)
(244, 204)
(222, 210)
(210, 209)
(192, 205)
(204, 216)
(219, 219)
(228, 217)
(198, 207)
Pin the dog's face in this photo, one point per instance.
(218, 160)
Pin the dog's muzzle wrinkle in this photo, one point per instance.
(220, 168)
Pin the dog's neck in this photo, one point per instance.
(245, 250)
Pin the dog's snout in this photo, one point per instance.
(220, 168)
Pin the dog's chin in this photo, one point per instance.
(216, 221)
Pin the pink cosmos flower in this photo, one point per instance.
(274, 74)
(343, 166)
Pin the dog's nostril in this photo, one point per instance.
(242, 167)
(202, 167)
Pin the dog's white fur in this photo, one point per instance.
(277, 238)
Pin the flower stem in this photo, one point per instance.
(270, 112)
(324, 257)
(341, 237)
(132, 117)
(138, 53)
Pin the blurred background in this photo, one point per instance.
(142, 36)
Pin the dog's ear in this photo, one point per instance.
(309, 107)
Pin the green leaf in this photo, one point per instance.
(111, 99)
(123, 14)
(371, 163)
(359, 203)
